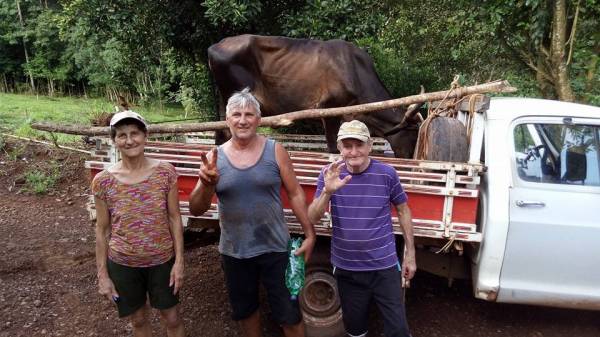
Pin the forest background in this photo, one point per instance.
(154, 52)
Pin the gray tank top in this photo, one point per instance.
(250, 209)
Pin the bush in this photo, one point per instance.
(195, 92)
(41, 182)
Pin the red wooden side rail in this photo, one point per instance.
(443, 196)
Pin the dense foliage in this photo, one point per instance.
(156, 50)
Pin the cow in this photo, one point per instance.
(287, 74)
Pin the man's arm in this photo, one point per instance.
(208, 177)
(200, 198)
(318, 207)
(105, 284)
(297, 200)
(409, 264)
(176, 227)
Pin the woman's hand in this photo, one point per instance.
(106, 288)
(176, 280)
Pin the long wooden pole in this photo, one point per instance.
(288, 118)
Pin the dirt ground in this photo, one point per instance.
(48, 283)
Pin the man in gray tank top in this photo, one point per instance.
(247, 173)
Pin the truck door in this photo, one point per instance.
(552, 251)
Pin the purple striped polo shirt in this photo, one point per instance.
(363, 238)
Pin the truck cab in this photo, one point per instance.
(540, 204)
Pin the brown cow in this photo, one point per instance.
(288, 74)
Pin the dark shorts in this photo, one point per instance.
(384, 287)
(242, 277)
(136, 284)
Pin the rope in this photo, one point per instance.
(445, 248)
(46, 143)
(472, 104)
(448, 110)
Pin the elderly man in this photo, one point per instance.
(246, 173)
(360, 191)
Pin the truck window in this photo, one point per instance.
(558, 153)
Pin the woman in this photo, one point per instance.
(139, 234)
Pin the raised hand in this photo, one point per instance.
(209, 175)
(332, 177)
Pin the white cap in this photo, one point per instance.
(354, 129)
(128, 114)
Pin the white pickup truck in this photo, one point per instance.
(521, 217)
(539, 205)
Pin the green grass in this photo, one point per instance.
(18, 111)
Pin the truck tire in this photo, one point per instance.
(320, 303)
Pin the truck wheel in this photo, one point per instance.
(320, 303)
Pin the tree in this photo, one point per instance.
(11, 51)
(543, 36)
(347, 19)
(156, 50)
(24, 39)
(48, 62)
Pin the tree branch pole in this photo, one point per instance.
(289, 118)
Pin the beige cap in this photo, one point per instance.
(354, 129)
(119, 116)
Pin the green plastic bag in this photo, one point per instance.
(294, 273)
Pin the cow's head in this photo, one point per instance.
(392, 125)
(403, 141)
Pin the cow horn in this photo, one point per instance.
(410, 112)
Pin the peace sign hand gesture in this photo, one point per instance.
(209, 175)
(332, 177)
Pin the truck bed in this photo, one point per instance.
(443, 196)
